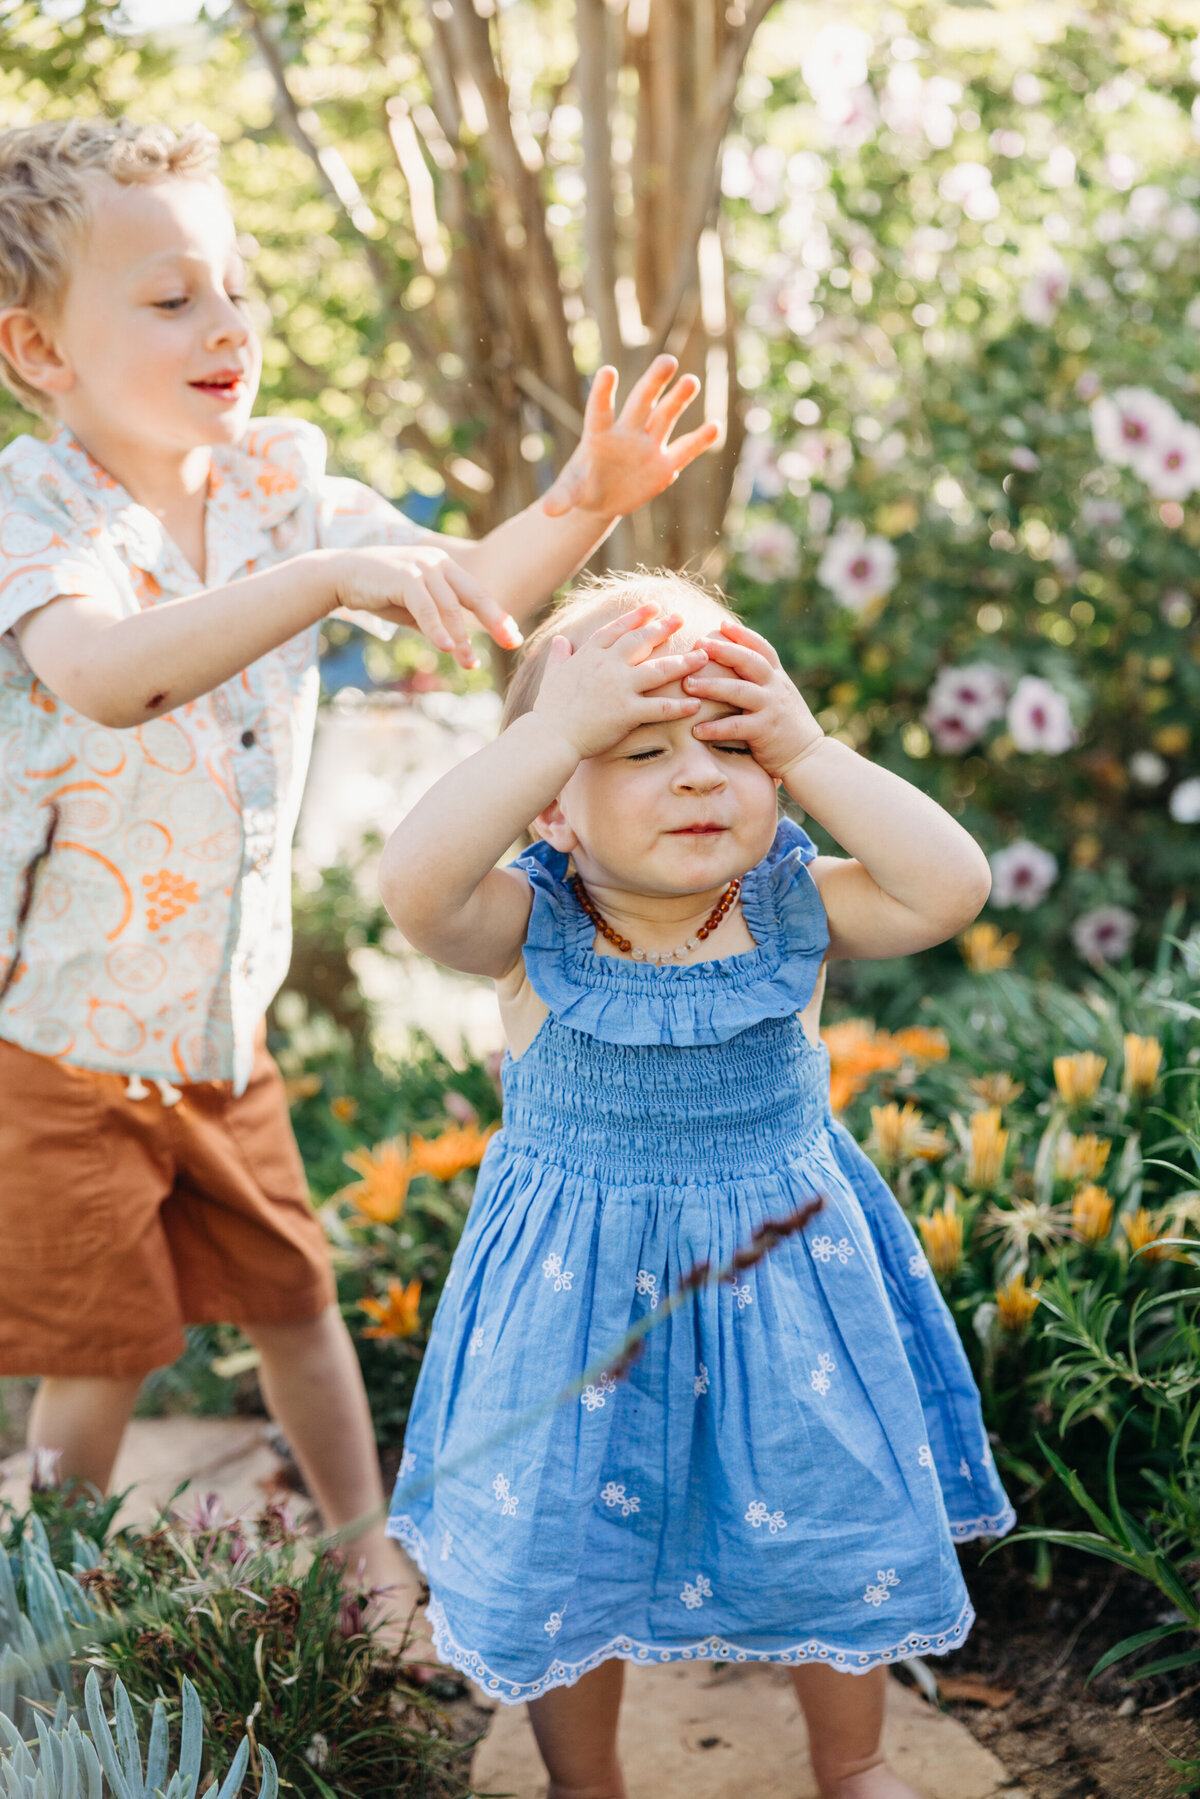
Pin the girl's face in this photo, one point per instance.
(664, 814)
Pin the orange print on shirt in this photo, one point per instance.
(276, 480)
(168, 897)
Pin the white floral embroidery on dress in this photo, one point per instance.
(743, 1296)
(820, 1374)
(925, 1456)
(964, 1468)
(700, 1381)
(824, 1249)
(918, 1267)
(696, 1592)
(447, 1546)
(449, 1280)
(476, 1343)
(878, 1594)
(647, 1286)
(506, 1496)
(758, 1515)
(408, 1462)
(554, 1271)
(595, 1395)
(553, 1623)
(614, 1495)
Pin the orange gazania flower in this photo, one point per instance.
(997, 1089)
(1081, 1158)
(398, 1314)
(843, 1086)
(385, 1171)
(985, 947)
(1016, 1303)
(1143, 1056)
(918, 1040)
(989, 1141)
(344, 1108)
(1091, 1214)
(457, 1149)
(900, 1134)
(942, 1235)
(1141, 1229)
(1077, 1077)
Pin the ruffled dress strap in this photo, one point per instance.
(619, 1001)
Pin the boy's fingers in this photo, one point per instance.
(598, 412)
(667, 412)
(653, 710)
(642, 396)
(498, 623)
(453, 617)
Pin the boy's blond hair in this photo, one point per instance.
(45, 207)
(593, 604)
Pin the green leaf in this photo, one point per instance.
(1130, 1645)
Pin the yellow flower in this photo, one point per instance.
(857, 1046)
(985, 948)
(1143, 1056)
(385, 1172)
(301, 1086)
(458, 1148)
(398, 1314)
(942, 1235)
(1081, 1158)
(989, 1141)
(1016, 1303)
(344, 1108)
(997, 1089)
(918, 1040)
(899, 1133)
(1091, 1214)
(1142, 1229)
(1077, 1077)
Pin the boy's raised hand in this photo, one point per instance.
(773, 718)
(421, 586)
(623, 461)
(596, 695)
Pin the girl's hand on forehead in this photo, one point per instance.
(772, 716)
(423, 587)
(596, 695)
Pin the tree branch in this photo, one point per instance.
(599, 219)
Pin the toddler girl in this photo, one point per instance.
(782, 1473)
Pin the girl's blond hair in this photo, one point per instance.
(45, 206)
(594, 603)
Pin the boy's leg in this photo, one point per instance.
(312, 1385)
(83, 1420)
(576, 1731)
(844, 1715)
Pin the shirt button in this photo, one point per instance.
(248, 740)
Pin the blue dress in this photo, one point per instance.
(783, 1473)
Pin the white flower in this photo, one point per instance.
(1170, 466)
(1148, 769)
(821, 1373)
(857, 569)
(925, 1456)
(647, 1286)
(595, 1396)
(614, 1495)
(1104, 934)
(696, 1592)
(757, 1515)
(962, 703)
(1130, 420)
(506, 1496)
(964, 1469)
(476, 1343)
(553, 1623)
(769, 551)
(1022, 875)
(700, 1381)
(836, 59)
(969, 185)
(1184, 803)
(824, 1249)
(1039, 718)
(554, 1271)
(743, 1295)
(1045, 290)
(879, 1595)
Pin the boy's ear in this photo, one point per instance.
(553, 826)
(30, 350)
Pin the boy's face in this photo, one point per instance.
(156, 340)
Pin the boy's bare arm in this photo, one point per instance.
(122, 670)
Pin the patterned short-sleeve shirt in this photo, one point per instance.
(153, 933)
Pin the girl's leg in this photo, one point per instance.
(83, 1419)
(844, 1715)
(576, 1731)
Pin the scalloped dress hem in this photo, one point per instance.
(628, 1649)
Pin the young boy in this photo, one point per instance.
(164, 565)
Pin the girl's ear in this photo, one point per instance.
(553, 826)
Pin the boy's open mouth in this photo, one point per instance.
(228, 385)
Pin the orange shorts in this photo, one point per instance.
(122, 1220)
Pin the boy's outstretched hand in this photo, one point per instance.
(623, 461)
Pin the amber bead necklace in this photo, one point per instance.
(727, 899)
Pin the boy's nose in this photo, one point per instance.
(699, 771)
(228, 325)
